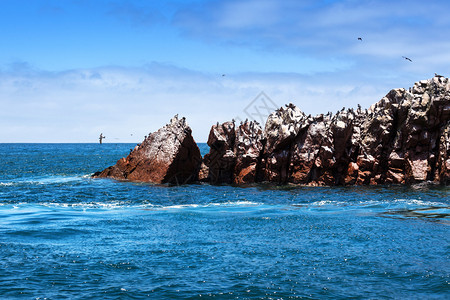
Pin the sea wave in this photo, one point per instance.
(332, 204)
(44, 180)
(128, 205)
(368, 203)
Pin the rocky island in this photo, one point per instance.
(402, 139)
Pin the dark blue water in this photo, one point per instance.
(66, 236)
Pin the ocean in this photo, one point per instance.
(64, 235)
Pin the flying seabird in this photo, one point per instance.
(359, 39)
(407, 58)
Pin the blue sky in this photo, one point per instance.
(70, 69)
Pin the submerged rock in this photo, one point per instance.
(169, 155)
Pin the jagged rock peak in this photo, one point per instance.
(168, 155)
(403, 138)
(284, 124)
(175, 121)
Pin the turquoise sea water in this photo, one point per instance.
(66, 236)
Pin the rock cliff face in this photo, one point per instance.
(404, 138)
(169, 155)
(235, 153)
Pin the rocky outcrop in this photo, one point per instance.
(235, 153)
(249, 145)
(282, 128)
(169, 155)
(221, 160)
(443, 169)
(404, 138)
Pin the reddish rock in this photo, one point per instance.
(169, 155)
(221, 159)
(403, 138)
(283, 126)
(203, 173)
(235, 153)
(443, 163)
(249, 144)
(352, 173)
(342, 129)
(312, 154)
(281, 129)
(395, 176)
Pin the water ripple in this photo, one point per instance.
(64, 235)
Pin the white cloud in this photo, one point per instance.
(76, 105)
(253, 13)
(320, 29)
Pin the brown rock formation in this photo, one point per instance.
(400, 139)
(404, 138)
(235, 153)
(282, 128)
(443, 169)
(221, 158)
(249, 143)
(169, 155)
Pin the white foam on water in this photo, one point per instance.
(224, 204)
(42, 180)
(326, 203)
(15, 205)
(146, 206)
(385, 205)
(181, 206)
(56, 179)
(236, 203)
(90, 205)
(416, 202)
